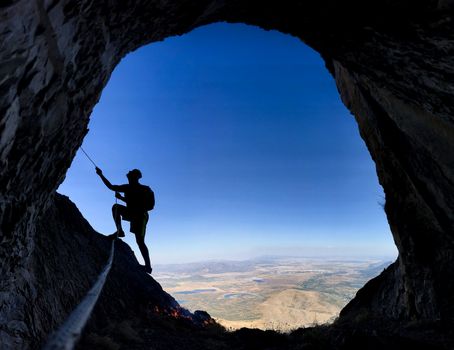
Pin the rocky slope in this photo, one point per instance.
(392, 62)
(66, 260)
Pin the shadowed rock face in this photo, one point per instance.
(67, 258)
(392, 62)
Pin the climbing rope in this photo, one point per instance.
(91, 160)
(69, 332)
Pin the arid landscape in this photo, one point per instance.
(269, 293)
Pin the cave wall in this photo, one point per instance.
(392, 62)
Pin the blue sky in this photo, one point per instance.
(242, 135)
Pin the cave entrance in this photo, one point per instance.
(256, 164)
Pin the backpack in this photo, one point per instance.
(148, 198)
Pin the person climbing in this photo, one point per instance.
(139, 200)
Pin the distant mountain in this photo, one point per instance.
(225, 266)
(374, 269)
(206, 267)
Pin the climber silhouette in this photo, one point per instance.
(139, 199)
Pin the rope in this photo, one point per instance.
(69, 332)
(66, 337)
(91, 160)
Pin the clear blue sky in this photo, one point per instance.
(242, 135)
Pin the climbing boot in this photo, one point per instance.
(148, 269)
(116, 235)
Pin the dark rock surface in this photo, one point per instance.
(68, 257)
(392, 61)
(132, 311)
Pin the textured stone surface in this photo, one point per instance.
(392, 61)
(67, 258)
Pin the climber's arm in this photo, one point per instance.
(107, 182)
(120, 197)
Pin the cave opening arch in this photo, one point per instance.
(272, 107)
(189, 90)
(391, 62)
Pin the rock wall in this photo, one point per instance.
(68, 256)
(392, 61)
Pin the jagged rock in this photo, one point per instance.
(66, 261)
(392, 62)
